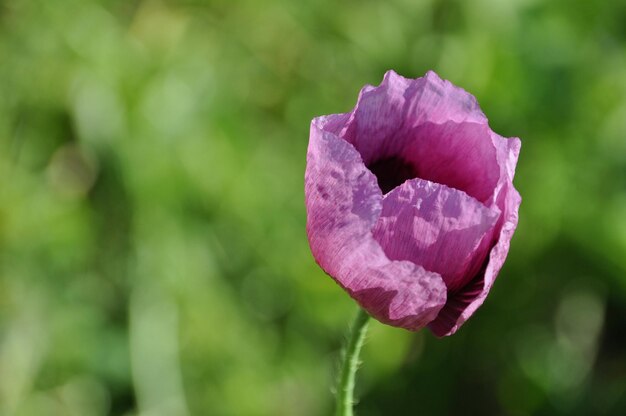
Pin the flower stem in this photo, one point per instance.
(345, 384)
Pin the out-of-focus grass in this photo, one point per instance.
(153, 259)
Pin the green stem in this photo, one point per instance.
(345, 386)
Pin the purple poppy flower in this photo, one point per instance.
(410, 202)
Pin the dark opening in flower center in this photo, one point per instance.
(391, 172)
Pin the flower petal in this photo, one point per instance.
(440, 228)
(440, 101)
(462, 305)
(459, 155)
(343, 203)
(384, 113)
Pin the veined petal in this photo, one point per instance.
(383, 114)
(459, 155)
(462, 304)
(439, 101)
(442, 229)
(343, 203)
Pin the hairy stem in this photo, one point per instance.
(350, 363)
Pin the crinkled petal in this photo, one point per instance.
(439, 101)
(343, 203)
(459, 155)
(462, 304)
(384, 113)
(442, 229)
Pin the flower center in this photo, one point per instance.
(391, 172)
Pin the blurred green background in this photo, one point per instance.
(153, 259)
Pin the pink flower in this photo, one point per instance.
(410, 202)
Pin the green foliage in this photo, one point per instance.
(153, 259)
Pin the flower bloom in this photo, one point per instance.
(410, 201)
